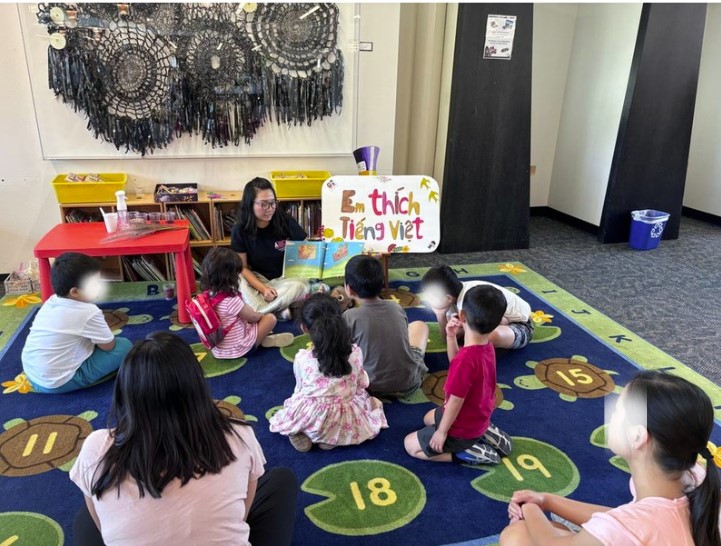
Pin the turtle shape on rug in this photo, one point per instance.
(571, 378)
(175, 324)
(433, 389)
(41, 444)
(228, 406)
(118, 318)
(403, 297)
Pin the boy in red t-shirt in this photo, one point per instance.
(461, 431)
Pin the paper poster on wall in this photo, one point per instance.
(500, 30)
(386, 213)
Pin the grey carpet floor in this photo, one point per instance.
(670, 296)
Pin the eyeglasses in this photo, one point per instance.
(266, 205)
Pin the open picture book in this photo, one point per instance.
(318, 259)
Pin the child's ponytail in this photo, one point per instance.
(679, 419)
(331, 336)
(704, 504)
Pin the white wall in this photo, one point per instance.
(703, 179)
(598, 72)
(553, 30)
(27, 203)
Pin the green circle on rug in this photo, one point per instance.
(29, 529)
(365, 497)
(543, 333)
(436, 341)
(300, 342)
(213, 367)
(272, 411)
(533, 465)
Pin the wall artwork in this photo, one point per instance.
(145, 74)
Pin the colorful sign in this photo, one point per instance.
(386, 213)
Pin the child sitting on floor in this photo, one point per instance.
(445, 293)
(70, 345)
(660, 426)
(329, 406)
(393, 350)
(461, 431)
(246, 328)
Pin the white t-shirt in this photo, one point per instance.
(518, 309)
(207, 510)
(64, 334)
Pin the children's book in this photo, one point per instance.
(318, 259)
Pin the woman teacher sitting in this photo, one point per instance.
(259, 238)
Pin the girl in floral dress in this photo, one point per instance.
(329, 406)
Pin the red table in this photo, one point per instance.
(86, 238)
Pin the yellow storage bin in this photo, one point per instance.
(298, 184)
(89, 192)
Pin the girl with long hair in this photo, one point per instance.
(259, 238)
(173, 469)
(329, 406)
(661, 425)
(246, 329)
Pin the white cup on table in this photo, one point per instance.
(111, 221)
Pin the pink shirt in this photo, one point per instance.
(472, 376)
(241, 338)
(651, 521)
(208, 510)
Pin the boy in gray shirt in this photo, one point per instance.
(392, 349)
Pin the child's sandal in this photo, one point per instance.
(300, 442)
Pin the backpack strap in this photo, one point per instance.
(215, 300)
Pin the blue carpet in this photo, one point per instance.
(447, 504)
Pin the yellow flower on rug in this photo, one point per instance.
(539, 317)
(19, 384)
(715, 453)
(511, 268)
(23, 301)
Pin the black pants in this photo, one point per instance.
(271, 517)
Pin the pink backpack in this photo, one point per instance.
(206, 321)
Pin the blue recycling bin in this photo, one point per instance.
(646, 228)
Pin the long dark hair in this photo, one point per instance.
(167, 425)
(679, 418)
(221, 271)
(246, 216)
(331, 336)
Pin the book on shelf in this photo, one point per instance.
(76, 216)
(141, 268)
(198, 229)
(219, 227)
(308, 216)
(318, 259)
(293, 210)
(313, 218)
(224, 222)
(197, 266)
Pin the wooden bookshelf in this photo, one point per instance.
(305, 211)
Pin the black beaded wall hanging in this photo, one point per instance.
(144, 74)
